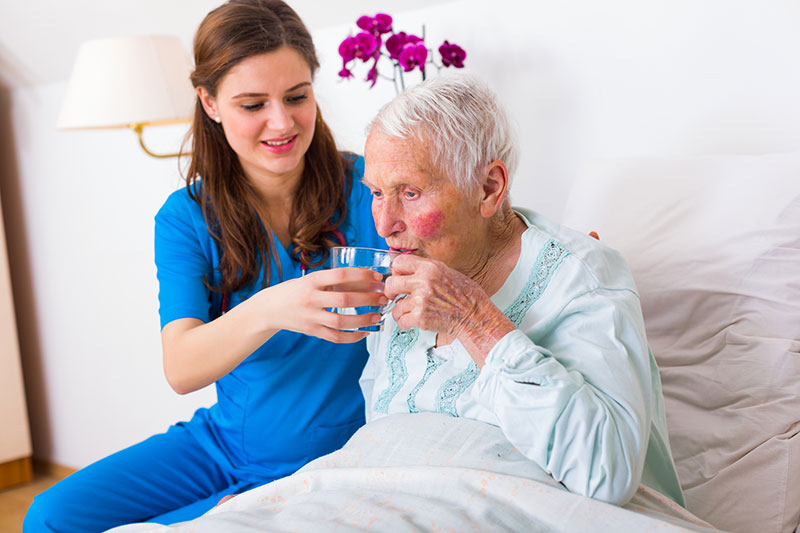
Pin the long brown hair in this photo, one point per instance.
(229, 34)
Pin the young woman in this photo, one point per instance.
(243, 295)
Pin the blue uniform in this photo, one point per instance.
(293, 399)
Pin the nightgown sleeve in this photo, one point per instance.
(577, 401)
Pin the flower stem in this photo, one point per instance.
(399, 70)
(431, 52)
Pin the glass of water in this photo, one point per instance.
(373, 259)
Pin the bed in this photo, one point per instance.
(714, 246)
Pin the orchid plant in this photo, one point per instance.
(405, 51)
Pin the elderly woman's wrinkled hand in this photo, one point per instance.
(438, 299)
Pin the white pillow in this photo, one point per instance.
(714, 246)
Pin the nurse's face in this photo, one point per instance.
(267, 109)
(416, 209)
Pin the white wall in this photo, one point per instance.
(591, 79)
(92, 360)
(583, 79)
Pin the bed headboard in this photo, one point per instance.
(714, 246)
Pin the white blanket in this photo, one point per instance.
(429, 472)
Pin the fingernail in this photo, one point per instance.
(376, 319)
(384, 300)
(378, 276)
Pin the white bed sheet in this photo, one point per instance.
(429, 472)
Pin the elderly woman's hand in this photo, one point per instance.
(439, 298)
(443, 300)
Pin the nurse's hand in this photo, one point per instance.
(304, 304)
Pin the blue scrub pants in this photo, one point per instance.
(167, 478)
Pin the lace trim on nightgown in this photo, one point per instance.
(549, 259)
(433, 364)
(399, 345)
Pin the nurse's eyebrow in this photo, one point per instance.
(262, 95)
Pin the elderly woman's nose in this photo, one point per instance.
(388, 220)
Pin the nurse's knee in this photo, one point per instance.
(36, 518)
(46, 513)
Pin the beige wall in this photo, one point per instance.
(15, 441)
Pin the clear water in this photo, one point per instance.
(382, 310)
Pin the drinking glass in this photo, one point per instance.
(360, 257)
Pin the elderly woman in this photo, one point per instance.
(508, 318)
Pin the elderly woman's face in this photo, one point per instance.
(414, 208)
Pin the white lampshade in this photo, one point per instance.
(120, 82)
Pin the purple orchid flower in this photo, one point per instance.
(395, 43)
(406, 51)
(452, 55)
(347, 49)
(377, 25)
(378, 44)
(362, 46)
(413, 55)
(372, 75)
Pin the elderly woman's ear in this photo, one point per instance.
(494, 188)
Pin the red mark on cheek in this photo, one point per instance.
(426, 225)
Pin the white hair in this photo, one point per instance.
(460, 122)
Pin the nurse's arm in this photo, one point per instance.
(196, 353)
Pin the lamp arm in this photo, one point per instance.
(138, 128)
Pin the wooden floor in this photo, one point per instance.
(14, 502)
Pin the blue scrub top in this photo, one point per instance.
(296, 397)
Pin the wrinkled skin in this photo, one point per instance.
(442, 299)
